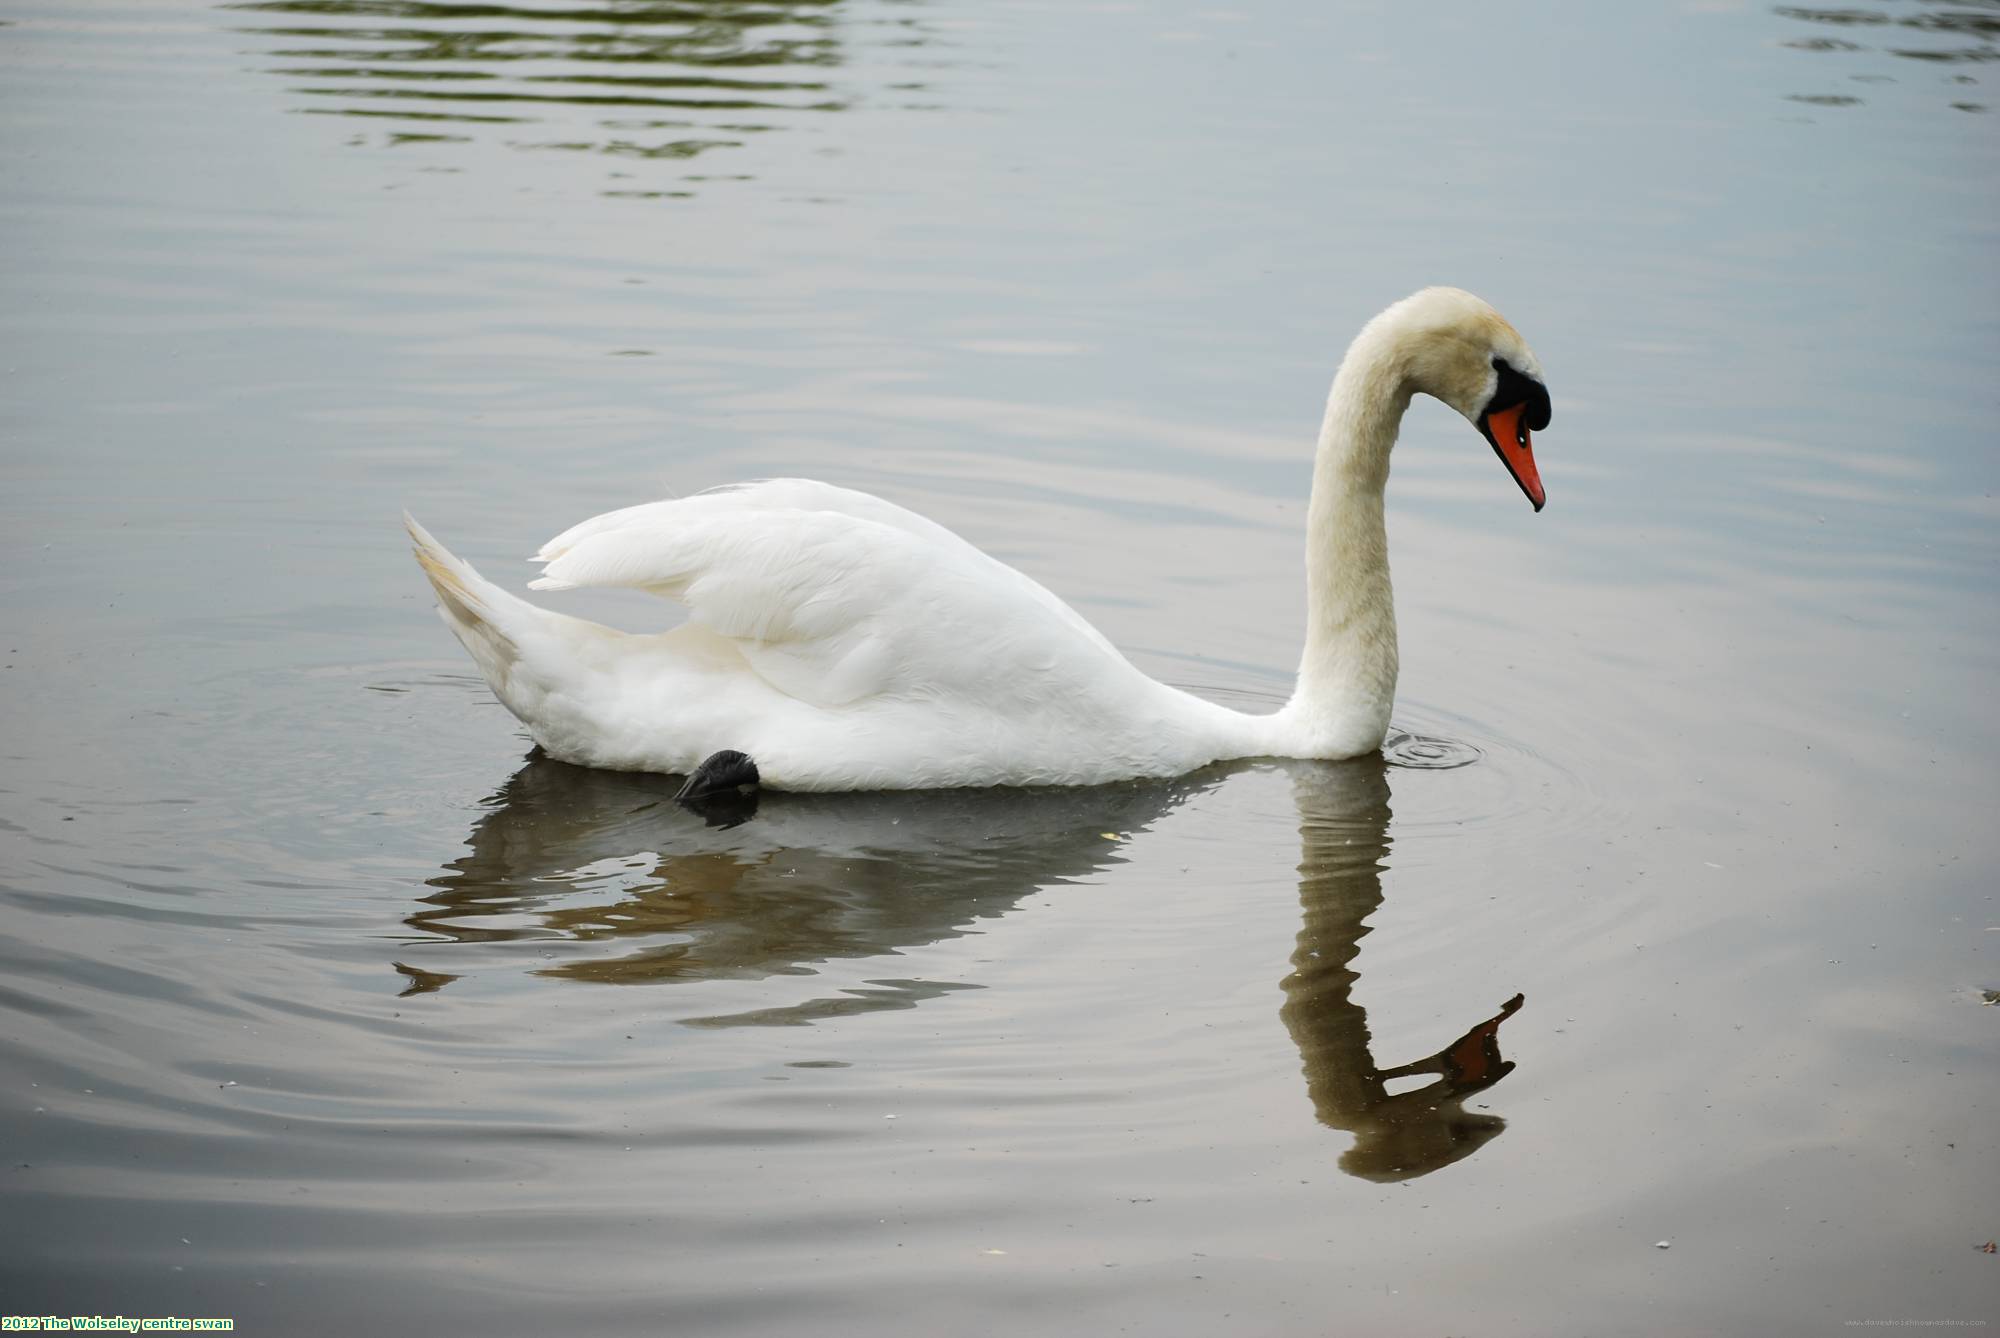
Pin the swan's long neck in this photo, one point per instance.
(1347, 677)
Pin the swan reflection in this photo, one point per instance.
(596, 857)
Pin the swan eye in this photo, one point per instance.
(1515, 388)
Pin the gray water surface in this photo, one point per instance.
(327, 1005)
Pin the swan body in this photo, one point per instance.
(845, 643)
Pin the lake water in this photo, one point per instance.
(325, 1006)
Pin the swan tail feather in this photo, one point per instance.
(478, 612)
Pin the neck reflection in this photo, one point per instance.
(1343, 848)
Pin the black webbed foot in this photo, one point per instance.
(722, 790)
(726, 770)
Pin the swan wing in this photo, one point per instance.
(783, 494)
(832, 596)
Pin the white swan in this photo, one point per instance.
(844, 643)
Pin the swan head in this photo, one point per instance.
(1456, 348)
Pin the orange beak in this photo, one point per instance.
(1511, 442)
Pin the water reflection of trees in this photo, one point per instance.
(1948, 37)
(630, 78)
(606, 860)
